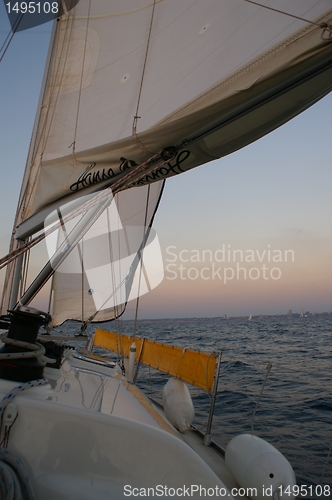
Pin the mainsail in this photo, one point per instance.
(132, 80)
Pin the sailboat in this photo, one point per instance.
(136, 92)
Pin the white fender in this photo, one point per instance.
(178, 406)
(131, 363)
(255, 463)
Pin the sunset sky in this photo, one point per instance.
(271, 197)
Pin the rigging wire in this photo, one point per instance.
(17, 252)
(25, 270)
(80, 248)
(123, 281)
(118, 186)
(117, 298)
(325, 465)
(10, 35)
(271, 430)
(119, 349)
(268, 369)
(141, 261)
(81, 80)
(136, 117)
(324, 26)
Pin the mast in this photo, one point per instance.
(204, 100)
(13, 277)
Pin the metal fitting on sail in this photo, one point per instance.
(169, 153)
(327, 32)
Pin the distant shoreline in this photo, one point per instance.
(230, 318)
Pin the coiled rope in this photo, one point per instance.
(34, 350)
(15, 483)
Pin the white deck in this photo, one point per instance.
(90, 433)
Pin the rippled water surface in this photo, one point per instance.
(295, 410)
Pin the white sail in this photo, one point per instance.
(117, 260)
(127, 79)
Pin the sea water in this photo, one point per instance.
(295, 409)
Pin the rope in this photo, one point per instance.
(141, 264)
(27, 385)
(15, 483)
(118, 186)
(34, 351)
(325, 26)
(268, 369)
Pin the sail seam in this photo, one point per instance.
(49, 114)
(81, 81)
(136, 117)
(118, 14)
(320, 25)
(241, 72)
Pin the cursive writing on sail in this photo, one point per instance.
(88, 178)
(166, 170)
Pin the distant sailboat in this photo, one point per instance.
(250, 317)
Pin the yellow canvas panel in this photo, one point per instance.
(196, 368)
(115, 342)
